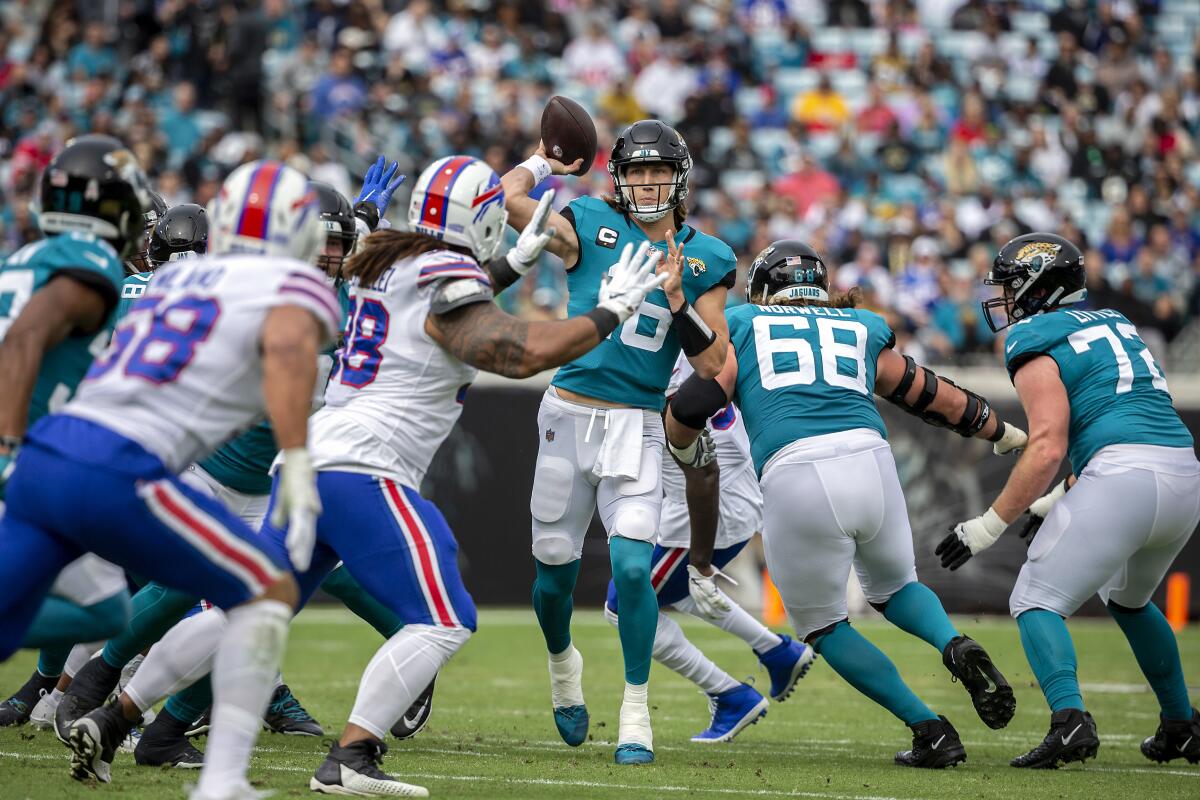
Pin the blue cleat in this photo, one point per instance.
(731, 712)
(572, 724)
(786, 663)
(634, 754)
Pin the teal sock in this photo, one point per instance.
(917, 610)
(866, 668)
(1051, 655)
(187, 705)
(60, 622)
(1153, 643)
(341, 584)
(638, 621)
(52, 660)
(554, 600)
(155, 610)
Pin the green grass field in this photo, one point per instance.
(492, 736)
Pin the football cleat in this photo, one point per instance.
(94, 739)
(1175, 739)
(566, 694)
(355, 770)
(935, 746)
(635, 738)
(286, 715)
(414, 720)
(990, 693)
(786, 663)
(87, 692)
(1072, 737)
(732, 711)
(200, 725)
(633, 754)
(163, 743)
(42, 716)
(17, 709)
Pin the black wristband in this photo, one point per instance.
(999, 434)
(605, 321)
(694, 334)
(503, 275)
(368, 212)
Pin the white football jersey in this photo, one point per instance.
(728, 433)
(394, 394)
(183, 373)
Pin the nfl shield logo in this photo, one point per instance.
(549, 434)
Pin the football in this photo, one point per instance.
(568, 132)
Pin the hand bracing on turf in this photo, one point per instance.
(533, 238)
(297, 506)
(630, 280)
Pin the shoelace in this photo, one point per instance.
(288, 706)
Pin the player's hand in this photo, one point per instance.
(970, 538)
(630, 280)
(700, 453)
(298, 506)
(1012, 440)
(709, 600)
(557, 167)
(379, 184)
(672, 267)
(1039, 510)
(533, 238)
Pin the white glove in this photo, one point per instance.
(630, 280)
(297, 506)
(1013, 439)
(700, 453)
(533, 239)
(708, 598)
(1041, 507)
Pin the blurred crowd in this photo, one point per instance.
(906, 139)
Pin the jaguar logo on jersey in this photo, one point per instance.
(1037, 255)
(607, 237)
(696, 265)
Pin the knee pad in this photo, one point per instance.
(816, 636)
(551, 496)
(553, 549)
(636, 522)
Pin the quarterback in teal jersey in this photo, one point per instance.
(600, 429)
(57, 297)
(1093, 392)
(803, 367)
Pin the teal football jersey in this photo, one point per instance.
(242, 463)
(805, 371)
(1117, 392)
(633, 365)
(31, 268)
(132, 290)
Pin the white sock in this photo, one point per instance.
(635, 716)
(80, 654)
(55, 695)
(401, 669)
(183, 656)
(566, 678)
(244, 671)
(673, 650)
(738, 622)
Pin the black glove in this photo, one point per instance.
(1033, 524)
(953, 551)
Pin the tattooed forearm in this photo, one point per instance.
(485, 337)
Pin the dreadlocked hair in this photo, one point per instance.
(384, 248)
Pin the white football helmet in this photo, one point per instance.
(460, 201)
(266, 208)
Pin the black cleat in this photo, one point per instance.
(87, 692)
(355, 770)
(1072, 737)
(164, 743)
(94, 739)
(413, 721)
(16, 709)
(990, 693)
(200, 725)
(286, 715)
(1175, 739)
(935, 746)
